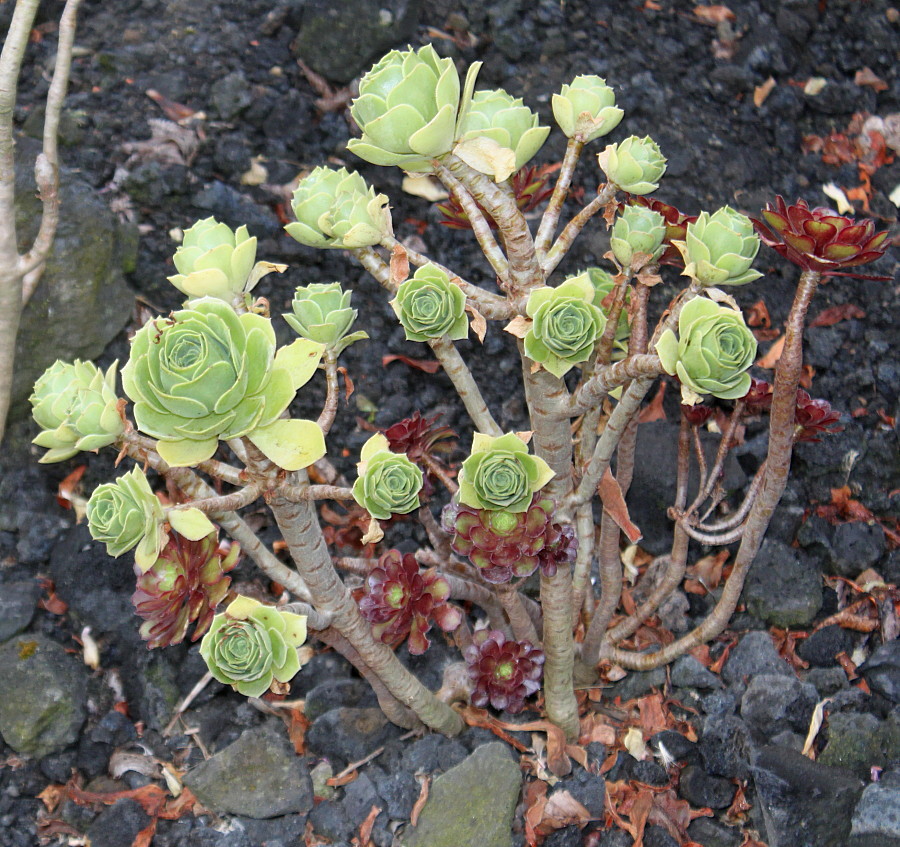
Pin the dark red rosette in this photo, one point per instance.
(814, 418)
(503, 545)
(698, 414)
(400, 600)
(529, 184)
(184, 585)
(503, 672)
(418, 436)
(820, 239)
(676, 228)
(759, 398)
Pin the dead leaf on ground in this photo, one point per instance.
(705, 574)
(420, 800)
(836, 314)
(866, 76)
(430, 366)
(713, 14)
(774, 354)
(761, 92)
(654, 410)
(758, 315)
(562, 810)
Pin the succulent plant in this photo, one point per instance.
(697, 414)
(338, 209)
(400, 600)
(504, 545)
(388, 483)
(214, 260)
(586, 108)
(820, 239)
(676, 227)
(638, 229)
(529, 185)
(504, 120)
(566, 325)
(407, 109)
(500, 473)
(814, 418)
(720, 248)
(321, 312)
(75, 406)
(758, 398)
(635, 165)
(183, 586)
(503, 673)
(430, 306)
(417, 436)
(712, 352)
(208, 373)
(126, 514)
(250, 646)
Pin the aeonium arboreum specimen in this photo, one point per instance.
(712, 352)
(388, 483)
(814, 418)
(400, 600)
(185, 584)
(430, 306)
(586, 108)
(251, 646)
(214, 261)
(76, 407)
(820, 239)
(322, 313)
(719, 248)
(503, 672)
(638, 231)
(208, 374)
(565, 325)
(407, 109)
(338, 209)
(500, 473)
(676, 227)
(635, 165)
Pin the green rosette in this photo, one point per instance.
(429, 306)
(586, 108)
(719, 248)
(638, 230)
(388, 483)
(321, 312)
(635, 165)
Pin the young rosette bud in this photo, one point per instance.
(126, 514)
(503, 673)
(814, 418)
(676, 227)
(638, 230)
(388, 483)
(75, 406)
(322, 313)
(430, 306)
(504, 545)
(758, 398)
(251, 646)
(635, 165)
(214, 260)
(406, 109)
(338, 209)
(820, 239)
(497, 133)
(586, 108)
(207, 373)
(184, 585)
(500, 473)
(720, 247)
(712, 352)
(697, 414)
(565, 325)
(400, 600)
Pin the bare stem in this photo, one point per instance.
(550, 219)
(313, 492)
(570, 232)
(522, 625)
(332, 392)
(465, 385)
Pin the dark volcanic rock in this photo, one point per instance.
(773, 703)
(782, 588)
(755, 654)
(822, 646)
(882, 671)
(701, 789)
(118, 825)
(725, 746)
(18, 601)
(350, 734)
(876, 819)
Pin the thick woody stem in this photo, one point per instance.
(313, 492)
(222, 503)
(609, 377)
(550, 219)
(302, 533)
(465, 385)
(584, 558)
(332, 391)
(376, 266)
(490, 305)
(734, 519)
(521, 623)
(567, 237)
(781, 438)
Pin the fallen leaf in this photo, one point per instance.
(758, 315)
(562, 810)
(654, 410)
(814, 85)
(420, 801)
(653, 716)
(365, 829)
(430, 366)
(399, 264)
(51, 796)
(772, 356)
(737, 811)
(614, 505)
(713, 14)
(761, 92)
(633, 741)
(478, 323)
(844, 206)
(69, 494)
(815, 724)
(705, 574)
(177, 112)
(836, 314)
(867, 76)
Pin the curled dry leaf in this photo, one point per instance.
(478, 323)
(761, 92)
(836, 314)
(772, 356)
(713, 14)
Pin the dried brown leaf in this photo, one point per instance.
(430, 366)
(614, 505)
(761, 92)
(866, 76)
(836, 314)
(772, 356)
(425, 782)
(654, 410)
(713, 14)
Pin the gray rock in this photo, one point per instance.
(688, 672)
(350, 733)
(339, 40)
(725, 746)
(82, 287)
(804, 803)
(855, 547)
(878, 812)
(702, 789)
(18, 601)
(828, 681)
(710, 833)
(782, 589)
(43, 695)
(334, 693)
(118, 825)
(823, 645)
(755, 654)
(638, 683)
(882, 671)
(773, 703)
(858, 740)
(259, 776)
(458, 814)
(230, 95)
(433, 753)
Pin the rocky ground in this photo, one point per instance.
(180, 110)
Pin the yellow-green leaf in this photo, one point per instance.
(191, 523)
(291, 444)
(300, 359)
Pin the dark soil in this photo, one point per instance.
(691, 86)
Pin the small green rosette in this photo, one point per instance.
(635, 165)
(321, 312)
(638, 230)
(388, 483)
(429, 306)
(719, 248)
(586, 108)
